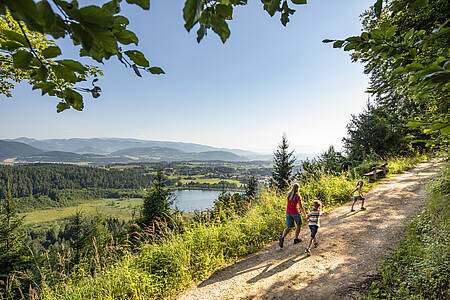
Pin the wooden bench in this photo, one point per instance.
(376, 170)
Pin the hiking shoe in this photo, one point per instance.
(280, 242)
(307, 251)
(363, 208)
(316, 244)
(296, 241)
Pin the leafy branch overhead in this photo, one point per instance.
(405, 48)
(210, 14)
(99, 30)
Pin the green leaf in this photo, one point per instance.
(126, 37)
(399, 70)
(391, 31)
(191, 13)
(120, 22)
(47, 13)
(156, 70)
(62, 106)
(225, 11)
(145, 4)
(50, 52)
(415, 66)
(299, 1)
(220, 27)
(365, 36)
(136, 70)
(73, 98)
(418, 4)
(96, 15)
(445, 130)
(14, 36)
(72, 65)
(137, 57)
(408, 36)
(45, 87)
(414, 124)
(11, 45)
(22, 59)
(338, 44)
(273, 7)
(40, 74)
(64, 73)
(327, 41)
(106, 40)
(201, 32)
(112, 6)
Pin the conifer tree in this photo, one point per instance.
(250, 189)
(158, 201)
(13, 255)
(283, 161)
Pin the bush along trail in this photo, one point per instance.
(352, 247)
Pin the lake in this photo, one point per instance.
(190, 200)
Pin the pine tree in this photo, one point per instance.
(13, 255)
(283, 161)
(252, 186)
(158, 201)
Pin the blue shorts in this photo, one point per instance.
(313, 229)
(356, 198)
(291, 218)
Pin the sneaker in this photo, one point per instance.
(307, 251)
(316, 244)
(296, 241)
(363, 208)
(280, 242)
(352, 209)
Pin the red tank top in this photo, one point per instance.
(292, 205)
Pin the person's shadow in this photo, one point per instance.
(281, 267)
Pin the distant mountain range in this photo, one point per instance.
(102, 151)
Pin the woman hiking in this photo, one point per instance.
(292, 214)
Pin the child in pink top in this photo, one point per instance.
(293, 215)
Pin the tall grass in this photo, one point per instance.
(419, 268)
(163, 268)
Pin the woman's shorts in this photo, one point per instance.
(291, 218)
(313, 229)
(356, 198)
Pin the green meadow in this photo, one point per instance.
(118, 208)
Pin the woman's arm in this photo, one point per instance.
(300, 205)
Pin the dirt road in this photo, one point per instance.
(352, 247)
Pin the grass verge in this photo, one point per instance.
(419, 267)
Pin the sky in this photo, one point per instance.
(266, 80)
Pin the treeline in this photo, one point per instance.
(47, 179)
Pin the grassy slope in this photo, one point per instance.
(164, 269)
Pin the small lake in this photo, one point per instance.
(190, 200)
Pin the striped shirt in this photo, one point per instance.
(314, 215)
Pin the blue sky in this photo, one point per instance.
(265, 81)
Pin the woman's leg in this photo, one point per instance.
(297, 231)
(285, 232)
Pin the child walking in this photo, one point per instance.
(313, 222)
(293, 215)
(360, 195)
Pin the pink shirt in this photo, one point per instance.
(292, 205)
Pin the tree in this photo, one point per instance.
(405, 48)
(158, 201)
(283, 161)
(13, 255)
(102, 33)
(331, 160)
(251, 187)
